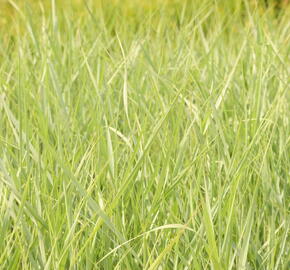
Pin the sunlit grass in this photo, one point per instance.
(144, 135)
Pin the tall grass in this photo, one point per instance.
(144, 135)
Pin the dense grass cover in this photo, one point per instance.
(144, 135)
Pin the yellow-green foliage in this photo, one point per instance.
(146, 134)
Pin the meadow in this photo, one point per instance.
(144, 134)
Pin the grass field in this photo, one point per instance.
(144, 135)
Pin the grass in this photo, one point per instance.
(144, 135)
